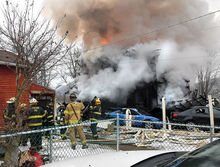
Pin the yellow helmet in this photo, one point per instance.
(23, 105)
(11, 100)
(98, 101)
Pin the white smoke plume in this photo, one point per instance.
(182, 49)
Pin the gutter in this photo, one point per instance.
(10, 64)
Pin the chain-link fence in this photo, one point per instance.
(55, 143)
(151, 135)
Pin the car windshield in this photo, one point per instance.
(208, 155)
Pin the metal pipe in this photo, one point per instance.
(212, 130)
(118, 139)
(51, 146)
(164, 112)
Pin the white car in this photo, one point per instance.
(115, 159)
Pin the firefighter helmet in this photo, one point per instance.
(72, 96)
(11, 100)
(23, 105)
(98, 101)
(33, 101)
(50, 104)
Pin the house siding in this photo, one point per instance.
(8, 89)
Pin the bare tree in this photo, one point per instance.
(33, 40)
(208, 76)
(36, 45)
(44, 78)
(72, 64)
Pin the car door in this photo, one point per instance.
(135, 116)
(122, 115)
(201, 116)
(216, 117)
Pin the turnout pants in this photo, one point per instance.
(62, 132)
(93, 128)
(79, 129)
(35, 140)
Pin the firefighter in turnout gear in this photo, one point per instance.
(9, 115)
(61, 121)
(36, 116)
(95, 112)
(72, 117)
(49, 119)
(11, 143)
(23, 115)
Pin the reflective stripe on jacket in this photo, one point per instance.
(36, 116)
(95, 112)
(73, 112)
(49, 120)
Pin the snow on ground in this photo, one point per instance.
(108, 159)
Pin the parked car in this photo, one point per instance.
(207, 155)
(198, 115)
(136, 115)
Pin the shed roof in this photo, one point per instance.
(8, 57)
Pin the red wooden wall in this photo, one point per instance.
(8, 89)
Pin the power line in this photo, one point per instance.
(155, 30)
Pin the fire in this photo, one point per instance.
(104, 41)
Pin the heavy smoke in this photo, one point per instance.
(129, 33)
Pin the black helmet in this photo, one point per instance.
(72, 96)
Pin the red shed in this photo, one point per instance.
(8, 85)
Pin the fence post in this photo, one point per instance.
(212, 130)
(51, 146)
(118, 139)
(164, 113)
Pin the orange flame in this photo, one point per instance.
(104, 41)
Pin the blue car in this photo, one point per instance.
(136, 116)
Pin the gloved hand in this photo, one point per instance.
(66, 122)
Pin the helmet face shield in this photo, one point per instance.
(72, 98)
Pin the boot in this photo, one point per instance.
(73, 147)
(84, 146)
(95, 137)
(64, 138)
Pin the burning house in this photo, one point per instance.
(132, 47)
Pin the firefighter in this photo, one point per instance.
(10, 115)
(95, 112)
(49, 119)
(72, 117)
(12, 143)
(23, 116)
(36, 116)
(61, 121)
